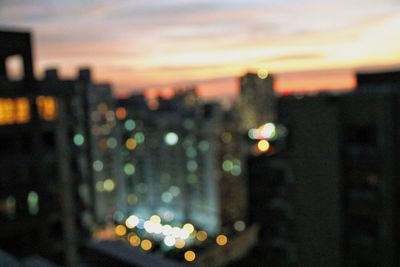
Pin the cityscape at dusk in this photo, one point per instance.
(199, 133)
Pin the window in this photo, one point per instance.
(15, 68)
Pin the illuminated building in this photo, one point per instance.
(104, 148)
(169, 160)
(96, 139)
(257, 99)
(41, 212)
(55, 134)
(233, 173)
(174, 162)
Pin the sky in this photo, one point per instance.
(148, 44)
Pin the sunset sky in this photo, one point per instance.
(137, 44)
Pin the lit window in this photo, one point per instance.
(15, 67)
(22, 114)
(47, 107)
(7, 111)
(8, 206)
(33, 202)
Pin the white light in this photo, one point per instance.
(268, 131)
(149, 227)
(184, 234)
(176, 232)
(167, 229)
(157, 228)
(253, 134)
(171, 138)
(169, 241)
(188, 227)
(132, 221)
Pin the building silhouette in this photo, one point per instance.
(55, 134)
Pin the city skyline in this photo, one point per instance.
(148, 44)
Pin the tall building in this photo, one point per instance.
(40, 206)
(60, 143)
(342, 151)
(98, 137)
(233, 197)
(257, 100)
(170, 160)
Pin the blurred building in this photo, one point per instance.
(183, 163)
(170, 159)
(97, 137)
(40, 208)
(233, 182)
(51, 155)
(313, 152)
(342, 151)
(377, 80)
(257, 100)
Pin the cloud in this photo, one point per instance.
(197, 39)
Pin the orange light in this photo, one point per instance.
(47, 107)
(6, 111)
(190, 256)
(146, 244)
(221, 240)
(22, 110)
(201, 235)
(180, 243)
(263, 145)
(121, 113)
(134, 240)
(120, 230)
(14, 111)
(130, 144)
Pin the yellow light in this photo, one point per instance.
(134, 240)
(146, 244)
(22, 110)
(188, 227)
(155, 219)
(121, 113)
(180, 243)
(263, 145)
(47, 107)
(120, 230)
(132, 221)
(262, 74)
(221, 240)
(201, 235)
(190, 256)
(109, 185)
(130, 144)
(8, 111)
